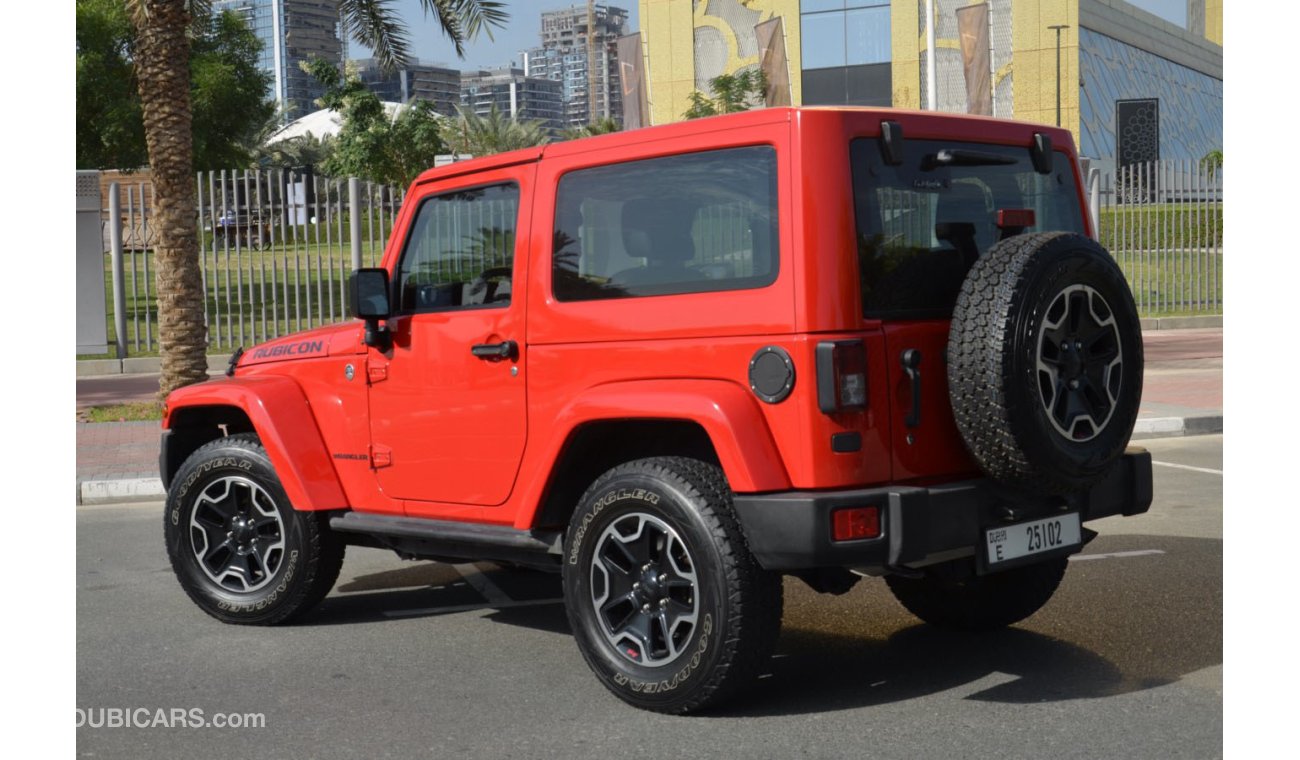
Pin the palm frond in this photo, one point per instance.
(375, 24)
(463, 20)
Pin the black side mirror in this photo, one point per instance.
(369, 301)
(370, 294)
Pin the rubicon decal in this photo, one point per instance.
(305, 348)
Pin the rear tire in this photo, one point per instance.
(239, 549)
(979, 602)
(668, 607)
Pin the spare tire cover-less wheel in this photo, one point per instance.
(1045, 362)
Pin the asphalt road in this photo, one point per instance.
(419, 659)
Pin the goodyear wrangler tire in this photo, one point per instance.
(1045, 362)
(669, 609)
(238, 548)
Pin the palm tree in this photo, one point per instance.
(162, 61)
(494, 133)
(599, 127)
(162, 56)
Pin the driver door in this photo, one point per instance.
(447, 405)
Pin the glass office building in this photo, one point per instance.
(291, 32)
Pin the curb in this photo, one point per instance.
(129, 490)
(1171, 427)
(1151, 324)
(139, 365)
(120, 491)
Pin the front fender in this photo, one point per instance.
(280, 413)
(728, 413)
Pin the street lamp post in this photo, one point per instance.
(1058, 28)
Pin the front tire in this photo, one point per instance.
(968, 602)
(668, 607)
(242, 553)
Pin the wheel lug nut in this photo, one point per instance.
(663, 603)
(1074, 385)
(663, 577)
(645, 607)
(636, 586)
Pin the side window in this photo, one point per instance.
(690, 223)
(461, 250)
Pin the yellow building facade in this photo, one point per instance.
(1109, 52)
(688, 42)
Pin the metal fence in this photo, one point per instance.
(276, 249)
(1163, 223)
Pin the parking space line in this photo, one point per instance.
(1188, 467)
(1115, 555)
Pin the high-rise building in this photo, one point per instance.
(1123, 71)
(564, 57)
(291, 32)
(514, 94)
(417, 80)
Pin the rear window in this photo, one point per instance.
(921, 225)
(690, 223)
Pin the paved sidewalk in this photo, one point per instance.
(118, 461)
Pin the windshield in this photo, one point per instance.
(922, 224)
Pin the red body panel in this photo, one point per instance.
(284, 420)
(478, 441)
(453, 426)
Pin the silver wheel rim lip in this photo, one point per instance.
(617, 638)
(217, 491)
(1116, 365)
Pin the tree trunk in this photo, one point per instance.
(162, 60)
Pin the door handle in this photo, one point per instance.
(506, 349)
(911, 359)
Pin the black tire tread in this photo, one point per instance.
(755, 597)
(323, 551)
(979, 357)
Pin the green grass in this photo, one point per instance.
(135, 412)
(1164, 284)
(1174, 284)
(279, 294)
(1169, 225)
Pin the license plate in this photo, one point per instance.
(1036, 537)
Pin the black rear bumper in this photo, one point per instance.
(921, 525)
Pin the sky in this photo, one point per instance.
(522, 31)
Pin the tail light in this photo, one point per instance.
(855, 523)
(841, 376)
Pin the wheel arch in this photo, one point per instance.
(277, 410)
(713, 421)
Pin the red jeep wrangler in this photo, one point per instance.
(677, 363)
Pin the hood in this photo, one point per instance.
(330, 340)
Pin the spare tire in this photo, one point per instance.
(1045, 362)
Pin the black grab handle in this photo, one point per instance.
(507, 349)
(911, 359)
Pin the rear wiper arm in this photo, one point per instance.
(962, 157)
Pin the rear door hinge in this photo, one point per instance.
(380, 456)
